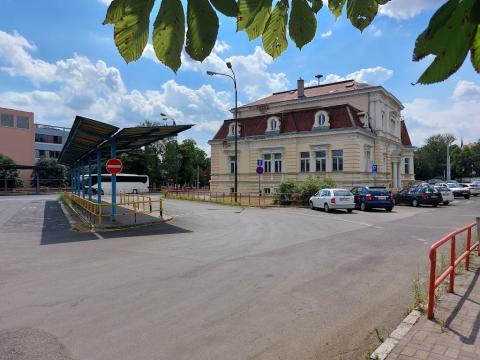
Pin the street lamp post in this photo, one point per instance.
(234, 79)
(449, 172)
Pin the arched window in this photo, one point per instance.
(273, 124)
(321, 119)
(231, 130)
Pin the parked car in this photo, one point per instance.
(371, 197)
(328, 199)
(418, 196)
(447, 194)
(473, 187)
(457, 189)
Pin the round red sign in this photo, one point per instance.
(114, 166)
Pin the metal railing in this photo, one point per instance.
(133, 204)
(246, 199)
(454, 261)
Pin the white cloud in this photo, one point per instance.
(407, 9)
(326, 34)
(426, 117)
(78, 86)
(251, 71)
(374, 31)
(375, 76)
(105, 2)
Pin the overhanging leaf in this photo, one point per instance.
(475, 50)
(361, 12)
(425, 43)
(303, 24)
(131, 19)
(169, 33)
(274, 37)
(317, 5)
(247, 10)
(450, 43)
(256, 25)
(336, 6)
(202, 30)
(226, 7)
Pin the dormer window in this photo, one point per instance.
(231, 130)
(273, 124)
(321, 119)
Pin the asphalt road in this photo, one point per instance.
(218, 282)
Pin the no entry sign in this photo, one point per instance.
(114, 166)
(259, 170)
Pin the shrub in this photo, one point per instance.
(285, 192)
(311, 185)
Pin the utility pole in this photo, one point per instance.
(449, 175)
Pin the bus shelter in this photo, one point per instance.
(91, 141)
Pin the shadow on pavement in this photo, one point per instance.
(56, 229)
(144, 230)
(468, 296)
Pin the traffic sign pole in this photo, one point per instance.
(113, 150)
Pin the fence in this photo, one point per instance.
(454, 261)
(128, 205)
(246, 199)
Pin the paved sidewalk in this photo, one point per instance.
(454, 332)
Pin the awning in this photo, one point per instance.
(87, 136)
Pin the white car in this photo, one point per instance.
(473, 187)
(457, 189)
(447, 194)
(328, 199)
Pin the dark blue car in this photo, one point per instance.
(372, 197)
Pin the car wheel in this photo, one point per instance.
(388, 209)
(467, 197)
(434, 205)
(363, 207)
(311, 205)
(446, 202)
(326, 208)
(349, 211)
(415, 203)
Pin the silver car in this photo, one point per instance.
(329, 199)
(447, 194)
(473, 187)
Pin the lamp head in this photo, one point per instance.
(229, 64)
(211, 73)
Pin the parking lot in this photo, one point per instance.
(217, 282)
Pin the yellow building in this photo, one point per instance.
(338, 130)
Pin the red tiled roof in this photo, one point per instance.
(404, 134)
(341, 86)
(341, 116)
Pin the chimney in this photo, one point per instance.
(300, 88)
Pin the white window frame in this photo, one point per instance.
(336, 163)
(231, 129)
(406, 165)
(304, 162)
(277, 162)
(231, 164)
(326, 119)
(321, 160)
(368, 156)
(267, 163)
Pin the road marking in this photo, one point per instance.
(99, 237)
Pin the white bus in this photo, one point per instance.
(126, 183)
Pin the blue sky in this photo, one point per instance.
(58, 60)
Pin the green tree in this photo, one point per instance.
(134, 162)
(451, 33)
(13, 176)
(50, 173)
(431, 159)
(171, 161)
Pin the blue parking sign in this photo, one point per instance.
(374, 168)
(259, 162)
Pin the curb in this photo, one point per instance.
(396, 335)
(70, 220)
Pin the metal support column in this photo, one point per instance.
(114, 180)
(89, 179)
(99, 177)
(82, 182)
(71, 181)
(5, 184)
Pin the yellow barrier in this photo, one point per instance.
(136, 204)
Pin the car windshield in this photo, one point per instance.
(442, 189)
(431, 191)
(378, 191)
(342, 193)
(452, 185)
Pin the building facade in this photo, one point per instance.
(338, 131)
(49, 141)
(17, 134)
